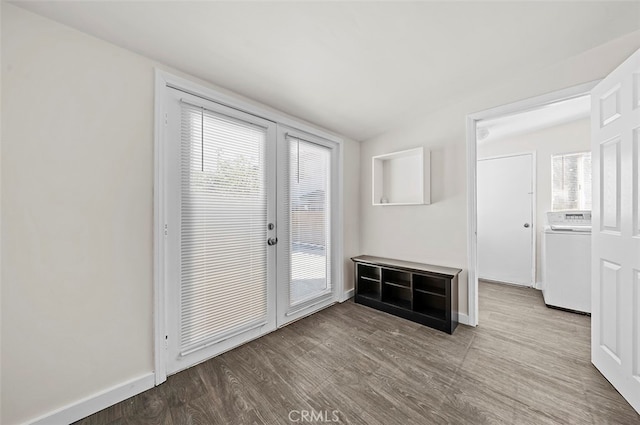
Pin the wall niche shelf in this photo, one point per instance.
(402, 178)
(422, 293)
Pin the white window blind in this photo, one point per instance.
(309, 215)
(223, 261)
(571, 181)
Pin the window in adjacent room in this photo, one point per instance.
(571, 180)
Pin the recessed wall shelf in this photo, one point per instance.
(418, 292)
(402, 178)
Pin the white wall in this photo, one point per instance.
(77, 199)
(437, 233)
(567, 138)
(77, 173)
(351, 209)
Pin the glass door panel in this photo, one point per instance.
(310, 227)
(307, 181)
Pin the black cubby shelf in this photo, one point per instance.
(422, 293)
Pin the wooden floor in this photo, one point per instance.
(524, 364)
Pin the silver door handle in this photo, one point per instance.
(526, 225)
(272, 241)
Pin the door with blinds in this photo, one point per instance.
(307, 199)
(221, 254)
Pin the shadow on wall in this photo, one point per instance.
(437, 174)
(447, 171)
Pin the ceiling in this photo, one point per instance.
(355, 68)
(546, 116)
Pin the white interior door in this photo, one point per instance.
(220, 200)
(505, 219)
(615, 317)
(308, 207)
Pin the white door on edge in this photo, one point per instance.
(615, 307)
(505, 219)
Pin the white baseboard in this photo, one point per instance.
(347, 294)
(92, 404)
(464, 319)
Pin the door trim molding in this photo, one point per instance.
(471, 123)
(159, 245)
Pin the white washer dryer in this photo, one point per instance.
(567, 260)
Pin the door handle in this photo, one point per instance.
(272, 241)
(526, 225)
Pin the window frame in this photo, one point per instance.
(566, 154)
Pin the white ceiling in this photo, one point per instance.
(356, 68)
(533, 120)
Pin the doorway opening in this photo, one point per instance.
(510, 151)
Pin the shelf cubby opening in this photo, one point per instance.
(402, 178)
(397, 295)
(429, 284)
(369, 281)
(369, 289)
(429, 305)
(369, 272)
(396, 278)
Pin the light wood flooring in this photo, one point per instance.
(524, 364)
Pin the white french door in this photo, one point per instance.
(250, 208)
(220, 270)
(307, 199)
(615, 317)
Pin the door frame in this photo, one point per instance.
(534, 205)
(164, 80)
(472, 158)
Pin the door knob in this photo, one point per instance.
(272, 241)
(526, 224)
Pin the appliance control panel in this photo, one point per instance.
(579, 221)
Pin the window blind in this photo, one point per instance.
(223, 261)
(309, 215)
(571, 181)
